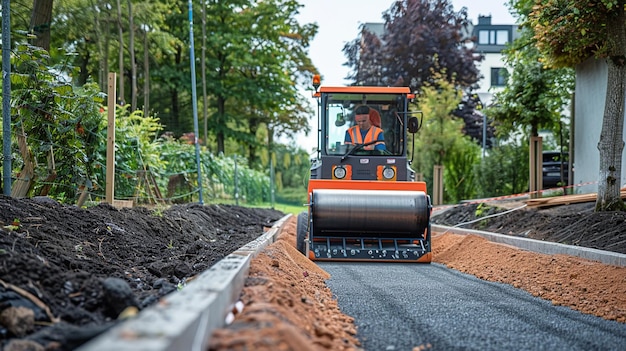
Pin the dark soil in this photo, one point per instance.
(82, 268)
(574, 224)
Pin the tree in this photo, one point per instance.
(568, 33)
(418, 34)
(441, 141)
(534, 95)
(364, 55)
(40, 23)
(504, 171)
(256, 58)
(59, 124)
(120, 52)
(259, 51)
(469, 111)
(133, 63)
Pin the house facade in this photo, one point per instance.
(490, 40)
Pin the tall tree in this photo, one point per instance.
(133, 63)
(86, 35)
(40, 23)
(440, 140)
(205, 98)
(365, 57)
(258, 53)
(120, 52)
(418, 34)
(256, 58)
(569, 32)
(535, 95)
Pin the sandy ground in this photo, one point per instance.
(287, 306)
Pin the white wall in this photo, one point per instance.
(485, 90)
(591, 78)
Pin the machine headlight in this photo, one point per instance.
(339, 172)
(389, 173)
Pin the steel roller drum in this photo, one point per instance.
(381, 213)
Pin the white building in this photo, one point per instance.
(490, 40)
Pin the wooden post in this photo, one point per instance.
(26, 178)
(110, 171)
(438, 185)
(536, 167)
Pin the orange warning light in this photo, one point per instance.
(316, 81)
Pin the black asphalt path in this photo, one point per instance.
(400, 306)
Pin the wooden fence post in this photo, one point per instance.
(438, 185)
(110, 171)
(536, 169)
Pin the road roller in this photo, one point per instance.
(364, 202)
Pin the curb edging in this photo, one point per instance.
(185, 319)
(545, 247)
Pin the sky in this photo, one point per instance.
(339, 22)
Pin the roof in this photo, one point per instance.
(365, 89)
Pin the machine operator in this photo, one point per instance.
(365, 130)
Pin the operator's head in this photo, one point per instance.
(362, 117)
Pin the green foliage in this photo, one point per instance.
(570, 32)
(441, 141)
(458, 176)
(535, 95)
(60, 121)
(258, 56)
(294, 169)
(534, 99)
(504, 171)
(482, 210)
(218, 174)
(256, 60)
(136, 152)
(293, 196)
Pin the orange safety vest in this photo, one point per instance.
(372, 134)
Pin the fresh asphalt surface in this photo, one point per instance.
(402, 306)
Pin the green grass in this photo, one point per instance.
(288, 208)
(285, 208)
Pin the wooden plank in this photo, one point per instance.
(26, 179)
(565, 200)
(52, 174)
(84, 193)
(122, 203)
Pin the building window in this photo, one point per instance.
(493, 37)
(499, 76)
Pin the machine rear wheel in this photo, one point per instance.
(301, 229)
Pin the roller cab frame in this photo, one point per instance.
(364, 203)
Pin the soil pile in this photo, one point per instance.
(287, 305)
(63, 267)
(78, 271)
(575, 224)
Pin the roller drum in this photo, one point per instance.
(379, 213)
